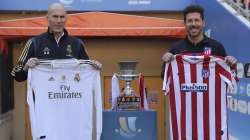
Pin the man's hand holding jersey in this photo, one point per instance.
(167, 57)
(230, 60)
(31, 63)
(96, 64)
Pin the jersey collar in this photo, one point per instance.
(65, 33)
(203, 41)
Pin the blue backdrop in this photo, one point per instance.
(98, 5)
(235, 36)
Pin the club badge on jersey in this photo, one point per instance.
(63, 78)
(207, 51)
(46, 51)
(205, 73)
(77, 77)
(69, 51)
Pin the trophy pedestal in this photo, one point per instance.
(129, 125)
(128, 103)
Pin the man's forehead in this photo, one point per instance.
(57, 12)
(193, 14)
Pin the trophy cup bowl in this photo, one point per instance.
(128, 70)
(128, 100)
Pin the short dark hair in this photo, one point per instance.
(193, 9)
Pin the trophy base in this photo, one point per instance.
(128, 103)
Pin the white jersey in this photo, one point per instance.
(62, 102)
(197, 92)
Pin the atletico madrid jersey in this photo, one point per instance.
(197, 86)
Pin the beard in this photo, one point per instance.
(194, 32)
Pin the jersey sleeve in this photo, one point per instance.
(226, 73)
(98, 104)
(166, 78)
(31, 104)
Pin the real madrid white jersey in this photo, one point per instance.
(197, 92)
(62, 101)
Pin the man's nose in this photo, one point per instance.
(59, 19)
(192, 22)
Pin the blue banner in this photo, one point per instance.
(97, 5)
(233, 30)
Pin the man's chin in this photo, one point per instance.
(194, 34)
(57, 31)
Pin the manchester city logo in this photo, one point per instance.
(205, 73)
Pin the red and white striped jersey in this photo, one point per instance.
(197, 96)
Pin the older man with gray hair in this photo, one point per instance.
(56, 43)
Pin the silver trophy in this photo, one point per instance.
(128, 100)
